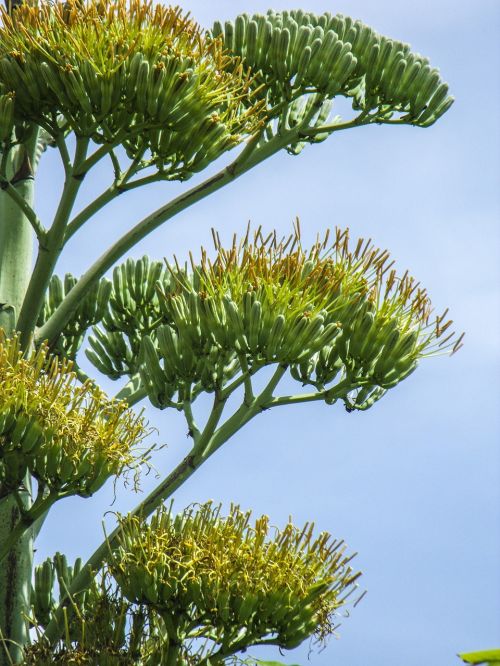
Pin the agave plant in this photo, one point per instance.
(145, 87)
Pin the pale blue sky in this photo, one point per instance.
(413, 485)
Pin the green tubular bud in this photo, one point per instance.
(346, 67)
(7, 107)
(193, 302)
(129, 266)
(395, 77)
(54, 83)
(429, 88)
(294, 337)
(293, 30)
(102, 298)
(331, 67)
(248, 299)
(217, 29)
(141, 91)
(308, 343)
(363, 41)
(25, 76)
(315, 62)
(69, 282)
(7, 421)
(32, 437)
(275, 337)
(386, 360)
(133, 74)
(363, 394)
(100, 360)
(401, 371)
(240, 29)
(406, 83)
(255, 324)
(151, 373)
(372, 59)
(437, 114)
(283, 46)
(330, 332)
(360, 333)
(106, 86)
(303, 66)
(264, 34)
(167, 342)
(391, 64)
(247, 608)
(235, 322)
(97, 481)
(141, 268)
(56, 293)
(155, 92)
(383, 60)
(251, 43)
(113, 343)
(390, 56)
(66, 472)
(327, 54)
(77, 96)
(17, 433)
(435, 102)
(229, 36)
(407, 344)
(418, 82)
(88, 310)
(301, 42)
(294, 639)
(373, 395)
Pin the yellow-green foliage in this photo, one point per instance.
(70, 436)
(127, 72)
(239, 582)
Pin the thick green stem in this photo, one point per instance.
(25, 524)
(16, 245)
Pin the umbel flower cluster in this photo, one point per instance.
(236, 583)
(337, 316)
(69, 436)
(125, 73)
(195, 589)
(293, 52)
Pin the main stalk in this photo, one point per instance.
(16, 247)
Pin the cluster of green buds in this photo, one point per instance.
(69, 436)
(133, 311)
(127, 73)
(88, 313)
(296, 52)
(235, 583)
(339, 317)
(100, 626)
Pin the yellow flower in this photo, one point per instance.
(70, 436)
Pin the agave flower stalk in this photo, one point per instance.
(146, 88)
(336, 295)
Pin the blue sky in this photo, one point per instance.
(413, 485)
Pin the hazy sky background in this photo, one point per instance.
(413, 484)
